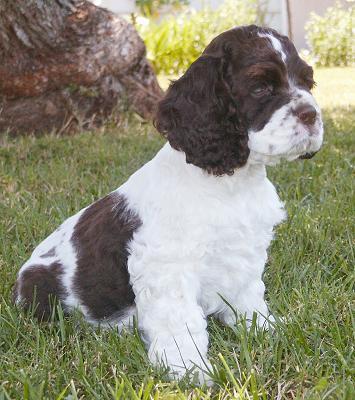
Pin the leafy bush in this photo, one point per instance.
(331, 37)
(150, 7)
(176, 41)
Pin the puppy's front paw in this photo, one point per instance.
(196, 368)
(198, 373)
(263, 323)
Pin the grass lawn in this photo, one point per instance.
(310, 275)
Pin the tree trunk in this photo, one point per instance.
(67, 64)
(289, 19)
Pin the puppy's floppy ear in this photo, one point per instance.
(199, 117)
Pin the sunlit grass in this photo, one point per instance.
(335, 86)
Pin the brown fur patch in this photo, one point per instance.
(38, 287)
(100, 237)
(15, 292)
(50, 253)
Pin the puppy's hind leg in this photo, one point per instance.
(38, 287)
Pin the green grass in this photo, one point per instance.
(310, 275)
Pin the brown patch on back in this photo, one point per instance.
(100, 237)
(38, 287)
(50, 253)
(14, 293)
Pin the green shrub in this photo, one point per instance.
(150, 7)
(331, 37)
(176, 41)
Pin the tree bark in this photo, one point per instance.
(67, 64)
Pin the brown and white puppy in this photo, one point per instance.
(192, 226)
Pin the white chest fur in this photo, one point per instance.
(211, 233)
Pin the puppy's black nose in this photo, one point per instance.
(307, 114)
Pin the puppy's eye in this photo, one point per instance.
(307, 77)
(309, 81)
(262, 89)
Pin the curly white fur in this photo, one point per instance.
(204, 239)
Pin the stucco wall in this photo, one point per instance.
(301, 10)
(118, 6)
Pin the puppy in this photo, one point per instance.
(188, 233)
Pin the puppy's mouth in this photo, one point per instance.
(310, 146)
(307, 156)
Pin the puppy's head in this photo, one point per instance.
(246, 99)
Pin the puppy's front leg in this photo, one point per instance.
(246, 302)
(173, 325)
